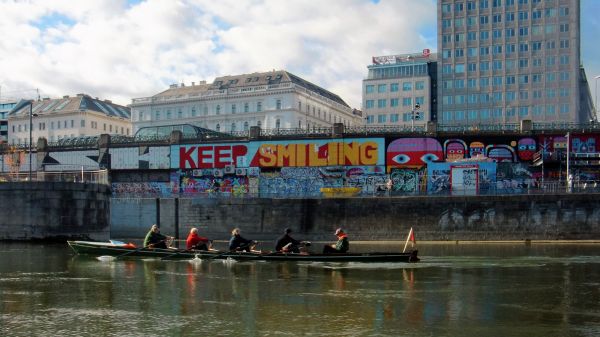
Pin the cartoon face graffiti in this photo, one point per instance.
(560, 143)
(476, 149)
(455, 151)
(501, 153)
(413, 151)
(526, 148)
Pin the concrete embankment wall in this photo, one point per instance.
(505, 217)
(54, 210)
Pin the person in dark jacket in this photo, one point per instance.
(238, 243)
(154, 239)
(287, 244)
(341, 246)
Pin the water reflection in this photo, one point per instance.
(514, 290)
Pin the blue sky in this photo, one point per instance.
(124, 49)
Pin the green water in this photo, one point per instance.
(457, 290)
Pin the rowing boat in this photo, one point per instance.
(117, 249)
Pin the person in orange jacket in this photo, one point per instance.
(197, 242)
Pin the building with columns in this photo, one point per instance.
(274, 99)
(67, 117)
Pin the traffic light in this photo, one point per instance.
(417, 115)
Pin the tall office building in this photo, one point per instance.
(396, 85)
(502, 61)
(5, 108)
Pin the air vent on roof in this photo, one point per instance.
(173, 86)
(107, 101)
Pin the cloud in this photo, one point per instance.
(120, 50)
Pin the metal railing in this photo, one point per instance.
(95, 177)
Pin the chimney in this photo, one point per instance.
(172, 86)
(108, 101)
(182, 85)
(66, 96)
(193, 84)
(202, 82)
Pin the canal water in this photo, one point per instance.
(456, 290)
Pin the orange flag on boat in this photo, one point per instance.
(411, 239)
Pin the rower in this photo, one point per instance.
(197, 242)
(288, 244)
(341, 246)
(238, 243)
(154, 239)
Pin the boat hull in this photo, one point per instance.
(108, 249)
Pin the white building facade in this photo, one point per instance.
(398, 90)
(276, 99)
(67, 117)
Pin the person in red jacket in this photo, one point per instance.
(197, 242)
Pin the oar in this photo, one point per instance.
(230, 251)
(110, 258)
(177, 253)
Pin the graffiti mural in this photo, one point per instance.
(70, 160)
(455, 149)
(318, 153)
(143, 157)
(192, 184)
(474, 176)
(413, 152)
(205, 156)
(405, 180)
(513, 178)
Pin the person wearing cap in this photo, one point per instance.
(197, 242)
(341, 246)
(154, 239)
(238, 243)
(287, 244)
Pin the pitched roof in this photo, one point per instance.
(81, 102)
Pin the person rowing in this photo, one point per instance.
(341, 246)
(238, 243)
(287, 244)
(197, 242)
(154, 239)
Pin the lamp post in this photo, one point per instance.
(30, 134)
(596, 99)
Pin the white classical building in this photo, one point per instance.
(274, 99)
(67, 117)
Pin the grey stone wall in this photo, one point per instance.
(508, 217)
(54, 210)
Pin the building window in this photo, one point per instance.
(369, 88)
(232, 127)
(406, 86)
(259, 106)
(381, 103)
(247, 107)
(246, 125)
(407, 101)
(369, 104)
(218, 110)
(278, 104)
(394, 87)
(394, 102)
(233, 108)
(381, 118)
(381, 88)
(394, 118)
(218, 127)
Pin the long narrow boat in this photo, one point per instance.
(112, 249)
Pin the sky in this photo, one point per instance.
(120, 49)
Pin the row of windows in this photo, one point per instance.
(484, 20)
(395, 117)
(508, 96)
(394, 102)
(484, 52)
(485, 4)
(66, 124)
(507, 33)
(395, 87)
(498, 81)
(398, 71)
(499, 113)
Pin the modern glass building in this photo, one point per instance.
(5, 108)
(502, 61)
(396, 85)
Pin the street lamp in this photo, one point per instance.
(30, 134)
(596, 94)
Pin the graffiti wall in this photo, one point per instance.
(70, 160)
(461, 178)
(318, 153)
(143, 157)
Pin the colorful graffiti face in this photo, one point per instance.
(476, 149)
(501, 153)
(584, 144)
(560, 143)
(526, 148)
(413, 151)
(455, 151)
